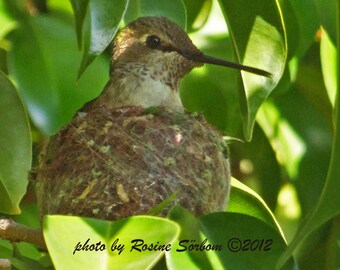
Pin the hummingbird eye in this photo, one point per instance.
(153, 41)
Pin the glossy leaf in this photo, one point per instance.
(197, 13)
(328, 205)
(210, 90)
(62, 6)
(328, 55)
(297, 41)
(320, 250)
(7, 23)
(174, 10)
(302, 144)
(79, 9)
(190, 230)
(15, 148)
(327, 13)
(66, 239)
(257, 160)
(307, 24)
(245, 201)
(248, 243)
(100, 27)
(259, 40)
(291, 23)
(44, 60)
(236, 246)
(288, 144)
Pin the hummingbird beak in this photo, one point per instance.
(205, 59)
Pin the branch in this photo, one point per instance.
(15, 232)
(5, 264)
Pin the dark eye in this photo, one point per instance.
(153, 41)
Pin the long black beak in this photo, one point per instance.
(216, 61)
(202, 58)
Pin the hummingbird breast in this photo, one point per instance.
(144, 84)
(146, 93)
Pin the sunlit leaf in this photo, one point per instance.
(197, 13)
(327, 14)
(302, 144)
(328, 205)
(328, 55)
(71, 241)
(190, 230)
(245, 201)
(247, 242)
(257, 161)
(15, 148)
(258, 36)
(224, 241)
(7, 23)
(60, 5)
(291, 24)
(287, 143)
(101, 25)
(173, 10)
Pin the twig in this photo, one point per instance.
(15, 232)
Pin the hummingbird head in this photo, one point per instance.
(157, 40)
(157, 46)
(150, 57)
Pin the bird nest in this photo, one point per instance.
(114, 163)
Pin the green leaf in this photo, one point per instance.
(328, 205)
(67, 238)
(327, 14)
(25, 257)
(258, 36)
(247, 242)
(302, 144)
(6, 249)
(161, 206)
(245, 201)
(64, 7)
(79, 9)
(7, 23)
(173, 10)
(197, 13)
(290, 147)
(290, 18)
(190, 230)
(321, 250)
(329, 65)
(205, 90)
(44, 60)
(307, 24)
(258, 166)
(101, 25)
(15, 148)
(239, 241)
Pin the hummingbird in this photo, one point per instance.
(150, 57)
(124, 162)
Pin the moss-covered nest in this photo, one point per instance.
(114, 163)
